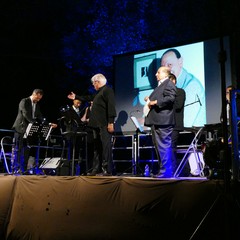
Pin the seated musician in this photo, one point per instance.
(73, 116)
(72, 125)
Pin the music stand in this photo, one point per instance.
(139, 129)
(69, 129)
(39, 132)
(36, 130)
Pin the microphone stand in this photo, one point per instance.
(191, 103)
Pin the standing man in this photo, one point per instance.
(228, 104)
(101, 120)
(161, 120)
(195, 107)
(179, 117)
(178, 106)
(28, 112)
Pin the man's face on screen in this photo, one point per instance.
(175, 64)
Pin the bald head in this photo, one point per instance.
(172, 59)
(163, 72)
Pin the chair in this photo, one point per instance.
(8, 153)
(193, 148)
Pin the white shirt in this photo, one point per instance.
(161, 81)
(76, 110)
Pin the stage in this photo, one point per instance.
(41, 207)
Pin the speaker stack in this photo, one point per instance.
(56, 166)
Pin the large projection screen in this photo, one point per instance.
(135, 79)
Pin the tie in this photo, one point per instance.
(33, 110)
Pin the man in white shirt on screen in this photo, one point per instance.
(195, 109)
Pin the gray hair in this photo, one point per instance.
(99, 77)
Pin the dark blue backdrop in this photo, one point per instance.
(58, 45)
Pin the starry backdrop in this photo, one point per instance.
(58, 45)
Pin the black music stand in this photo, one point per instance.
(70, 130)
(136, 166)
(39, 132)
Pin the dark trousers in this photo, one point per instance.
(161, 137)
(102, 160)
(23, 150)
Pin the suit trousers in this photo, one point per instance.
(161, 137)
(23, 151)
(102, 159)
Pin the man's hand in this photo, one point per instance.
(72, 95)
(53, 125)
(152, 103)
(146, 98)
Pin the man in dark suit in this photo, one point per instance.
(161, 119)
(101, 120)
(28, 112)
(179, 117)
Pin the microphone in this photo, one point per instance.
(199, 100)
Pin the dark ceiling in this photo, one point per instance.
(58, 45)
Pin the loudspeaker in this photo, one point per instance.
(50, 163)
(64, 168)
(56, 166)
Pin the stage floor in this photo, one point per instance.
(117, 207)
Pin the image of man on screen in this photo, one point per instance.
(195, 109)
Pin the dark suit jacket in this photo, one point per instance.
(162, 113)
(103, 108)
(179, 109)
(24, 116)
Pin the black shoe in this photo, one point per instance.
(107, 174)
(162, 175)
(93, 173)
(104, 173)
